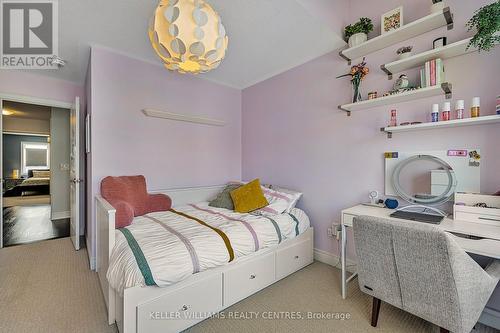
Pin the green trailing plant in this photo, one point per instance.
(363, 25)
(486, 21)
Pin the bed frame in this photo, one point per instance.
(186, 303)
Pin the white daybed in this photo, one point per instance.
(152, 309)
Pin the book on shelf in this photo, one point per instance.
(432, 73)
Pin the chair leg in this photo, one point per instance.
(375, 311)
(443, 330)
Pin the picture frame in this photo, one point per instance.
(391, 20)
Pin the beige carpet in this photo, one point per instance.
(47, 287)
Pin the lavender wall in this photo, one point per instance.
(33, 85)
(170, 154)
(293, 134)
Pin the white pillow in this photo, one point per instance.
(294, 195)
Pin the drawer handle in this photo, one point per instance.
(184, 308)
(253, 276)
(489, 219)
(296, 257)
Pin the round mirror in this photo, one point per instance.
(424, 179)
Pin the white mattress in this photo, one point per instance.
(166, 247)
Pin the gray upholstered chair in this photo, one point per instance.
(422, 270)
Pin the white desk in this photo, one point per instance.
(489, 246)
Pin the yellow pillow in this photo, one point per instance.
(248, 197)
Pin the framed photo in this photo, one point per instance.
(392, 20)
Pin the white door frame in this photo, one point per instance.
(29, 100)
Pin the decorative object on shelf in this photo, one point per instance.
(437, 6)
(392, 20)
(404, 52)
(399, 91)
(474, 110)
(394, 121)
(357, 74)
(402, 82)
(391, 203)
(372, 95)
(188, 36)
(373, 195)
(487, 24)
(435, 113)
(439, 42)
(15, 173)
(357, 33)
(459, 109)
(406, 123)
(446, 112)
(433, 73)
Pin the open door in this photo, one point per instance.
(75, 174)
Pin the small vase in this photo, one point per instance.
(357, 39)
(356, 93)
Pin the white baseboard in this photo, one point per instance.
(60, 215)
(333, 260)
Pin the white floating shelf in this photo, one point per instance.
(410, 30)
(444, 88)
(445, 52)
(442, 124)
(182, 117)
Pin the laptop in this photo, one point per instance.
(418, 217)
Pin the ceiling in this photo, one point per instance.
(266, 37)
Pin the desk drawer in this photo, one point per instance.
(180, 309)
(293, 258)
(248, 278)
(347, 219)
(478, 218)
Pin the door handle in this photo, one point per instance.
(76, 180)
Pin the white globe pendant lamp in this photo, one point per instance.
(188, 36)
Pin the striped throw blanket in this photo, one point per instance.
(162, 248)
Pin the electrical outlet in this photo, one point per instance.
(330, 232)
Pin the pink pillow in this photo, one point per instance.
(128, 195)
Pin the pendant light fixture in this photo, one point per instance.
(188, 36)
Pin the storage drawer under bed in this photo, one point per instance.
(247, 278)
(182, 308)
(293, 258)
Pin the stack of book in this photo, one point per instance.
(432, 74)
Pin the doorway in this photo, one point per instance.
(38, 153)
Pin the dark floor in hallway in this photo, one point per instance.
(26, 224)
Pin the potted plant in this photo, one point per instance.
(487, 23)
(357, 33)
(404, 52)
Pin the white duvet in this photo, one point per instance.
(166, 247)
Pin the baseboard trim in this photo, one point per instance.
(333, 260)
(92, 262)
(60, 215)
